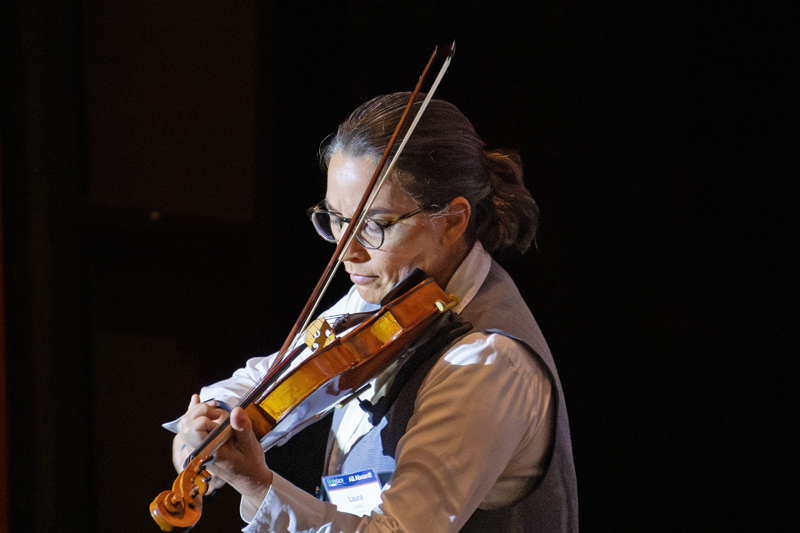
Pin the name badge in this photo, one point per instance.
(357, 493)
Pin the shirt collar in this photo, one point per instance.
(469, 276)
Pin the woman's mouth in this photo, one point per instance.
(358, 279)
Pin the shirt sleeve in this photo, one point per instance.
(480, 413)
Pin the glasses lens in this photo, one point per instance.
(322, 223)
(371, 234)
(330, 227)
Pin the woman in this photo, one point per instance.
(478, 439)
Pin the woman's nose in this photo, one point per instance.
(355, 253)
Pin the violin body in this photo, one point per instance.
(333, 373)
(342, 367)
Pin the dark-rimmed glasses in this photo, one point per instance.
(330, 226)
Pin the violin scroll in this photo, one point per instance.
(179, 509)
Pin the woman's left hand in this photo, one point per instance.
(240, 461)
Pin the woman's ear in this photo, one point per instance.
(456, 219)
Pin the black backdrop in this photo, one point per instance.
(158, 157)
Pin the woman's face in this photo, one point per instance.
(421, 241)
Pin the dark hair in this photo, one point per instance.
(445, 158)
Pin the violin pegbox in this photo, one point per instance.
(319, 334)
(179, 509)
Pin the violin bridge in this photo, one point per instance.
(319, 334)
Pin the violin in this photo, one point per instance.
(338, 369)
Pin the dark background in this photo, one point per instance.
(158, 157)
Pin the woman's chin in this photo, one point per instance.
(370, 293)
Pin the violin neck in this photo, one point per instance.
(261, 422)
(215, 439)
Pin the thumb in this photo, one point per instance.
(240, 422)
(243, 433)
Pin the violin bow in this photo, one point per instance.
(376, 182)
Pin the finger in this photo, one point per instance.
(195, 411)
(201, 424)
(194, 401)
(191, 410)
(206, 409)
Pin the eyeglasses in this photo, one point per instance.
(330, 226)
